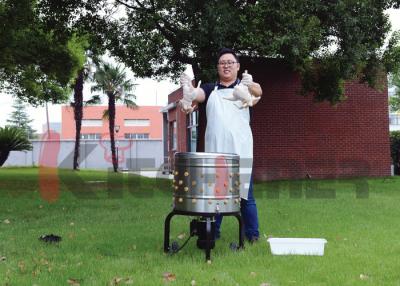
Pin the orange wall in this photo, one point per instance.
(122, 112)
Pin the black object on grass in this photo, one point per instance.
(50, 238)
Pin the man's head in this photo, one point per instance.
(228, 65)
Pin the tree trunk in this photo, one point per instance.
(196, 72)
(78, 114)
(111, 119)
(3, 156)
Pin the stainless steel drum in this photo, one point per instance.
(206, 182)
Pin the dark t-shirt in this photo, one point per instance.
(209, 87)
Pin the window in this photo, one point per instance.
(137, 122)
(137, 136)
(172, 136)
(394, 119)
(92, 122)
(192, 131)
(93, 136)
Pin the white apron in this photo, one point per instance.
(228, 131)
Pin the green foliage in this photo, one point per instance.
(19, 118)
(327, 42)
(41, 49)
(112, 81)
(12, 139)
(395, 150)
(394, 100)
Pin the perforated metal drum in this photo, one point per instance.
(206, 182)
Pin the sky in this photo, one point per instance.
(148, 92)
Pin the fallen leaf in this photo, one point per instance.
(44, 261)
(36, 272)
(40, 207)
(73, 282)
(253, 274)
(363, 277)
(115, 281)
(7, 221)
(168, 276)
(21, 266)
(182, 236)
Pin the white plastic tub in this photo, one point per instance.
(297, 246)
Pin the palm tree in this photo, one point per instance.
(78, 113)
(12, 139)
(77, 104)
(112, 81)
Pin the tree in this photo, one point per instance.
(394, 100)
(38, 59)
(77, 103)
(326, 42)
(36, 63)
(12, 139)
(82, 22)
(112, 81)
(19, 118)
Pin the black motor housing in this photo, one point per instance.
(199, 227)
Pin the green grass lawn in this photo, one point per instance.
(116, 237)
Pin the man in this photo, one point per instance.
(228, 125)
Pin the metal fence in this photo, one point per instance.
(94, 154)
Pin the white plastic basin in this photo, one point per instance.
(297, 246)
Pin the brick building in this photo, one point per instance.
(145, 122)
(295, 137)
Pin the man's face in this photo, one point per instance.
(228, 67)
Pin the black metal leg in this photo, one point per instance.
(209, 243)
(208, 236)
(241, 234)
(166, 231)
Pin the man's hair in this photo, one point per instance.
(224, 51)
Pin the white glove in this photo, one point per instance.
(247, 79)
(189, 93)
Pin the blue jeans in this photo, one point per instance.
(248, 209)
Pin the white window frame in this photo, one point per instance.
(136, 122)
(90, 136)
(92, 122)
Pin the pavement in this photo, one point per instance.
(150, 174)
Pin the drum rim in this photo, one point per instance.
(205, 155)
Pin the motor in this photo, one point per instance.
(204, 229)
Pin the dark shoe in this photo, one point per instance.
(253, 239)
